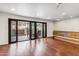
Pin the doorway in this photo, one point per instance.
(23, 30)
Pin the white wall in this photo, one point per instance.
(4, 26)
(67, 25)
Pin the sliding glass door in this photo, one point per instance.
(22, 30)
(33, 30)
(39, 29)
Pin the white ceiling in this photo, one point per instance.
(42, 10)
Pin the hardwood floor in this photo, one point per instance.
(40, 47)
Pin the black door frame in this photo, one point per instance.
(9, 28)
(9, 31)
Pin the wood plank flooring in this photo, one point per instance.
(40, 47)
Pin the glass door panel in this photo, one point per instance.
(39, 31)
(32, 30)
(44, 30)
(13, 31)
(23, 30)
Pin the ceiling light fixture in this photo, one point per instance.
(12, 9)
(63, 13)
(71, 16)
